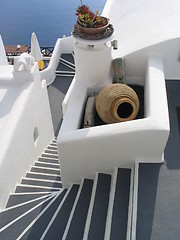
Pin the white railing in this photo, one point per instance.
(63, 45)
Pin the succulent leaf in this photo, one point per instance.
(87, 18)
(82, 10)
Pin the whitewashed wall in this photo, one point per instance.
(135, 63)
(86, 151)
(93, 64)
(139, 24)
(144, 28)
(25, 123)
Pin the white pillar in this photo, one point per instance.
(93, 62)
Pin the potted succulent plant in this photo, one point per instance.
(90, 23)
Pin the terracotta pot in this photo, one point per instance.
(117, 103)
(93, 31)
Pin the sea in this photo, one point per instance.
(49, 19)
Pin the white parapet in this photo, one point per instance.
(63, 45)
(25, 122)
(83, 152)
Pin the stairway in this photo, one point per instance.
(66, 67)
(41, 209)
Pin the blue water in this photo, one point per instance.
(49, 19)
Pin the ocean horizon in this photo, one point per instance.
(48, 19)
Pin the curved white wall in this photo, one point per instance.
(25, 124)
(135, 63)
(142, 23)
(83, 152)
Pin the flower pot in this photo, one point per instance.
(95, 30)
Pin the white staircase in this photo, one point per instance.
(41, 209)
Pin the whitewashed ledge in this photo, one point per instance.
(83, 152)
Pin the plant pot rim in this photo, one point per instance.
(93, 31)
